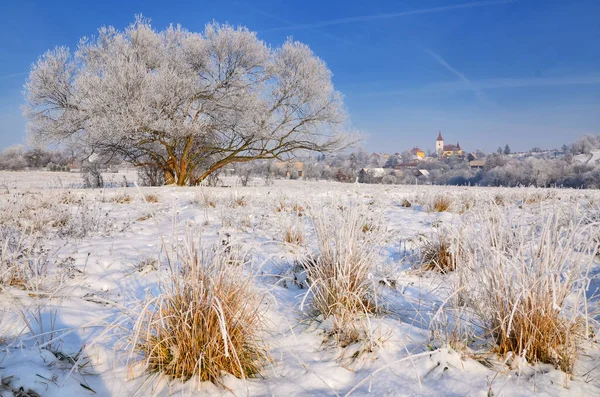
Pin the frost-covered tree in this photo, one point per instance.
(189, 103)
(586, 143)
(13, 158)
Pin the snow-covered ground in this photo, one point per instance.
(100, 252)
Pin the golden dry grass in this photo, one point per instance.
(339, 275)
(517, 277)
(151, 198)
(499, 200)
(298, 209)
(538, 331)
(441, 204)
(206, 320)
(293, 236)
(436, 255)
(239, 201)
(122, 198)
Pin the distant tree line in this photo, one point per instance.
(17, 158)
(537, 168)
(502, 168)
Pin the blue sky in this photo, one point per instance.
(485, 73)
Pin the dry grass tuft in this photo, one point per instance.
(70, 198)
(518, 278)
(280, 207)
(205, 320)
(151, 198)
(339, 275)
(204, 198)
(499, 200)
(144, 217)
(293, 236)
(441, 204)
(436, 254)
(122, 198)
(23, 260)
(538, 331)
(298, 209)
(406, 203)
(238, 201)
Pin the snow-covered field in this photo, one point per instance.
(92, 257)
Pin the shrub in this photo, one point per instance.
(91, 175)
(389, 180)
(205, 320)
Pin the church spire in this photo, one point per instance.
(439, 138)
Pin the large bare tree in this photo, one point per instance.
(186, 102)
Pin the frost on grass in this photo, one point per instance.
(437, 253)
(206, 319)
(23, 260)
(342, 287)
(526, 284)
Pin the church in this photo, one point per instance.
(446, 150)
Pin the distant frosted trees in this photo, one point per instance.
(185, 102)
(585, 144)
(13, 158)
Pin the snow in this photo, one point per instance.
(111, 269)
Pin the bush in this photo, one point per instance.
(92, 175)
(389, 180)
(12, 158)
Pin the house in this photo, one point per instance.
(477, 164)
(377, 175)
(443, 150)
(372, 175)
(418, 153)
(292, 169)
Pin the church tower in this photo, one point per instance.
(439, 144)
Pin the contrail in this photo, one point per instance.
(502, 83)
(476, 90)
(364, 18)
(293, 25)
(8, 76)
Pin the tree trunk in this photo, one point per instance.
(169, 177)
